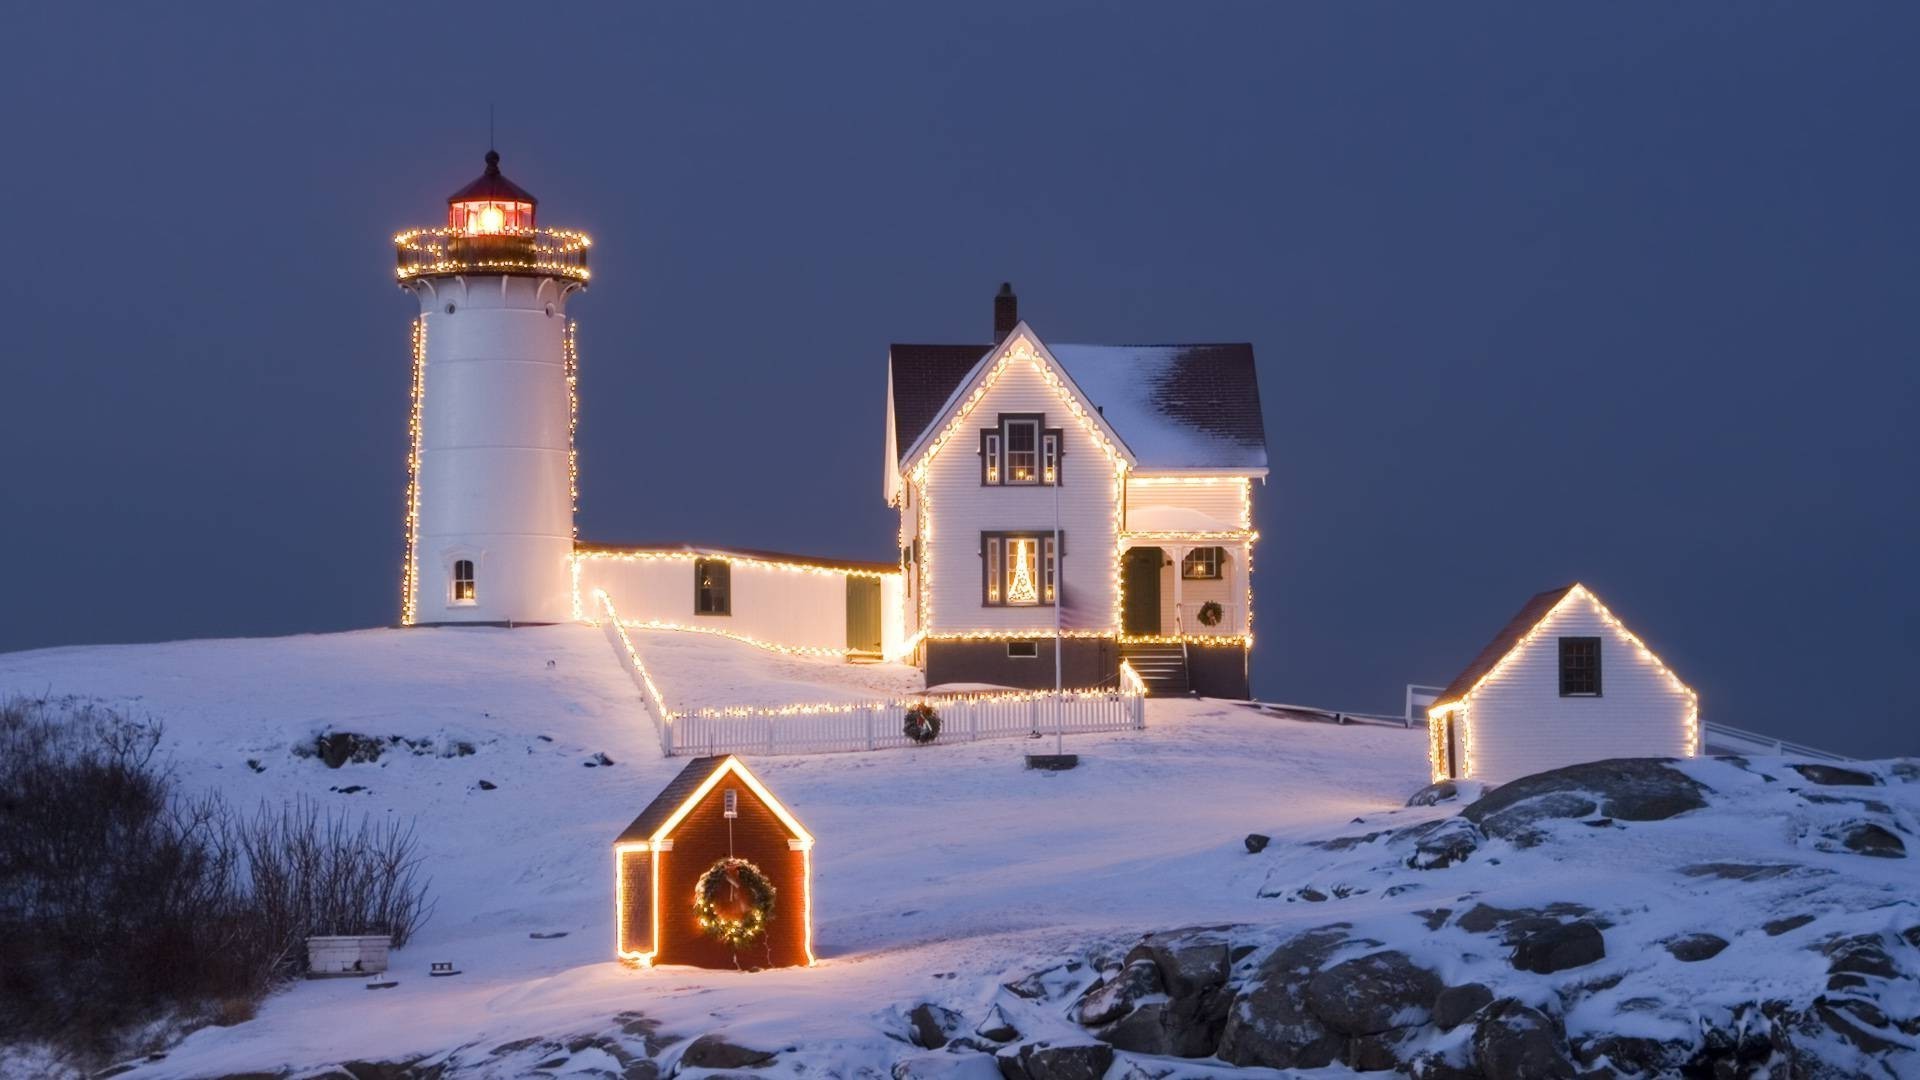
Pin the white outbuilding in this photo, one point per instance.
(1564, 682)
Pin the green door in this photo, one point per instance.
(1140, 576)
(863, 614)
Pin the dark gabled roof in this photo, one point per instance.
(746, 553)
(670, 798)
(1192, 406)
(1529, 615)
(924, 377)
(492, 187)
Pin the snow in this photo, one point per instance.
(1123, 381)
(952, 859)
(709, 671)
(941, 872)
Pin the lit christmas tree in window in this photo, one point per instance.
(1021, 590)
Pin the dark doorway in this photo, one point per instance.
(863, 614)
(1140, 576)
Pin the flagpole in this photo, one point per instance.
(1059, 597)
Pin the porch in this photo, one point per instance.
(1185, 589)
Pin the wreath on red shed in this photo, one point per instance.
(922, 724)
(733, 901)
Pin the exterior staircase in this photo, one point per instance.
(1162, 667)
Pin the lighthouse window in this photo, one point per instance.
(712, 587)
(463, 590)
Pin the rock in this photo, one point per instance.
(930, 1025)
(1379, 1052)
(1866, 838)
(1834, 775)
(997, 1027)
(1457, 1004)
(1438, 1065)
(1110, 1000)
(1516, 923)
(946, 1067)
(1626, 789)
(713, 1051)
(1630, 1055)
(1190, 960)
(1146, 1029)
(1452, 842)
(1435, 794)
(488, 785)
(336, 748)
(1693, 948)
(1257, 843)
(1372, 994)
(1048, 984)
(1269, 1022)
(1045, 1061)
(1559, 948)
(1781, 926)
(1311, 894)
(1516, 1042)
(1739, 871)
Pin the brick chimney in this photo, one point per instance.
(1006, 312)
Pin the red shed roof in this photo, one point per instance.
(663, 814)
(1503, 642)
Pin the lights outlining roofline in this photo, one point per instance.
(1461, 707)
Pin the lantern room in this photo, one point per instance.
(491, 205)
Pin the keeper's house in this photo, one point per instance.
(1564, 682)
(714, 810)
(1094, 497)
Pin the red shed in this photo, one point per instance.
(714, 873)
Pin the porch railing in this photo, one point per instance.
(1186, 618)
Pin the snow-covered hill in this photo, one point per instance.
(944, 872)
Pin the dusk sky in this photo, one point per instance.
(1621, 294)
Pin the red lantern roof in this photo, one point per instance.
(492, 187)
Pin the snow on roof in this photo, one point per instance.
(1177, 406)
(1177, 519)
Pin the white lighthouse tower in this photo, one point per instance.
(490, 492)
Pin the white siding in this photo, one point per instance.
(962, 508)
(795, 608)
(1519, 724)
(1162, 503)
(1225, 590)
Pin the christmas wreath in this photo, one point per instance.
(922, 724)
(1210, 613)
(733, 901)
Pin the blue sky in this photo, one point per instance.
(1620, 294)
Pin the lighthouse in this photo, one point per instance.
(491, 468)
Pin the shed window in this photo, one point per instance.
(463, 588)
(712, 587)
(1202, 564)
(1019, 569)
(1579, 667)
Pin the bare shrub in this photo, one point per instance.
(123, 901)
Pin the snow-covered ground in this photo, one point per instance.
(943, 872)
(940, 870)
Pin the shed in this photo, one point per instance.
(716, 813)
(1563, 682)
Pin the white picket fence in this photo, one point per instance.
(875, 725)
(879, 725)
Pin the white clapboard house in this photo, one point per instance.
(1564, 682)
(1094, 498)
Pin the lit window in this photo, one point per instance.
(463, 589)
(1023, 451)
(1202, 564)
(1018, 569)
(712, 587)
(1579, 667)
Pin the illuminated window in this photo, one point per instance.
(463, 589)
(1018, 569)
(489, 217)
(1202, 564)
(1022, 450)
(712, 587)
(1579, 667)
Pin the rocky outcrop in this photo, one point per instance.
(1514, 1041)
(1558, 948)
(1046, 1061)
(1623, 789)
(1269, 1022)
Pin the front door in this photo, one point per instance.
(1140, 576)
